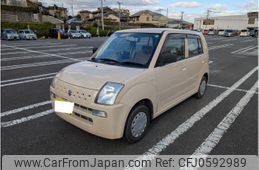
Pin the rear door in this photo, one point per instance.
(196, 58)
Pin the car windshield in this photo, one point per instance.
(243, 30)
(229, 30)
(28, 32)
(10, 31)
(72, 31)
(128, 49)
(83, 31)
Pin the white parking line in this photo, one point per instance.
(185, 126)
(33, 106)
(29, 77)
(237, 51)
(26, 81)
(219, 46)
(33, 51)
(248, 40)
(44, 56)
(224, 87)
(47, 63)
(47, 50)
(25, 119)
(35, 44)
(40, 47)
(213, 139)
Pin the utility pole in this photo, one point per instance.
(72, 10)
(102, 14)
(182, 19)
(119, 3)
(208, 13)
(167, 12)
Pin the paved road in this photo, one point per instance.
(30, 127)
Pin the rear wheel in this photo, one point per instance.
(137, 123)
(202, 88)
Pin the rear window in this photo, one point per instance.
(194, 45)
(243, 30)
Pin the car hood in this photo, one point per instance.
(93, 75)
(12, 34)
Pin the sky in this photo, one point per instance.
(192, 9)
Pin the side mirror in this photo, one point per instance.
(95, 49)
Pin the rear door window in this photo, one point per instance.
(194, 45)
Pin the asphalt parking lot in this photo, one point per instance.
(30, 127)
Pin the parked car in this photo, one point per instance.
(254, 33)
(244, 33)
(74, 34)
(211, 32)
(135, 76)
(9, 34)
(53, 33)
(27, 35)
(85, 34)
(205, 32)
(230, 33)
(221, 32)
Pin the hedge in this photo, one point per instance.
(41, 29)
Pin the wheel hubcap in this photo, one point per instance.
(203, 87)
(139, 124)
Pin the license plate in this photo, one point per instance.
(62, 106)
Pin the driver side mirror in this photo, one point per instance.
(95, 49)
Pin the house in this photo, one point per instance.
(20, 3)
(109, 15)
(178, 23)
(85, 14)
(19, 11)
(148, 17)
(58, 12)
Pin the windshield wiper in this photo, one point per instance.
(133, 63)
(109, 60)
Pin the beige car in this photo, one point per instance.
(135, 76)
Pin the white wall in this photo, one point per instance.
(236, 22)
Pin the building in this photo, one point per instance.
(19, 11)
(58, 12)
(20, 3)
(148, 17)
(110, 16)
(236, 22)
(178, 23)
(85, 14)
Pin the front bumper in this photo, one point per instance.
(111, 127)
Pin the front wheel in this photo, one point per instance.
(137, 123)
(202, 88)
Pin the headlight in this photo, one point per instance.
(107, 95)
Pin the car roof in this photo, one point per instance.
(158, 30)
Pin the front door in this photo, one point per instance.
(170, 71)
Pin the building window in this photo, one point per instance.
(137, 18)
(147, 18)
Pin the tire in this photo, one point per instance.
(140, 113)
(202, 88)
